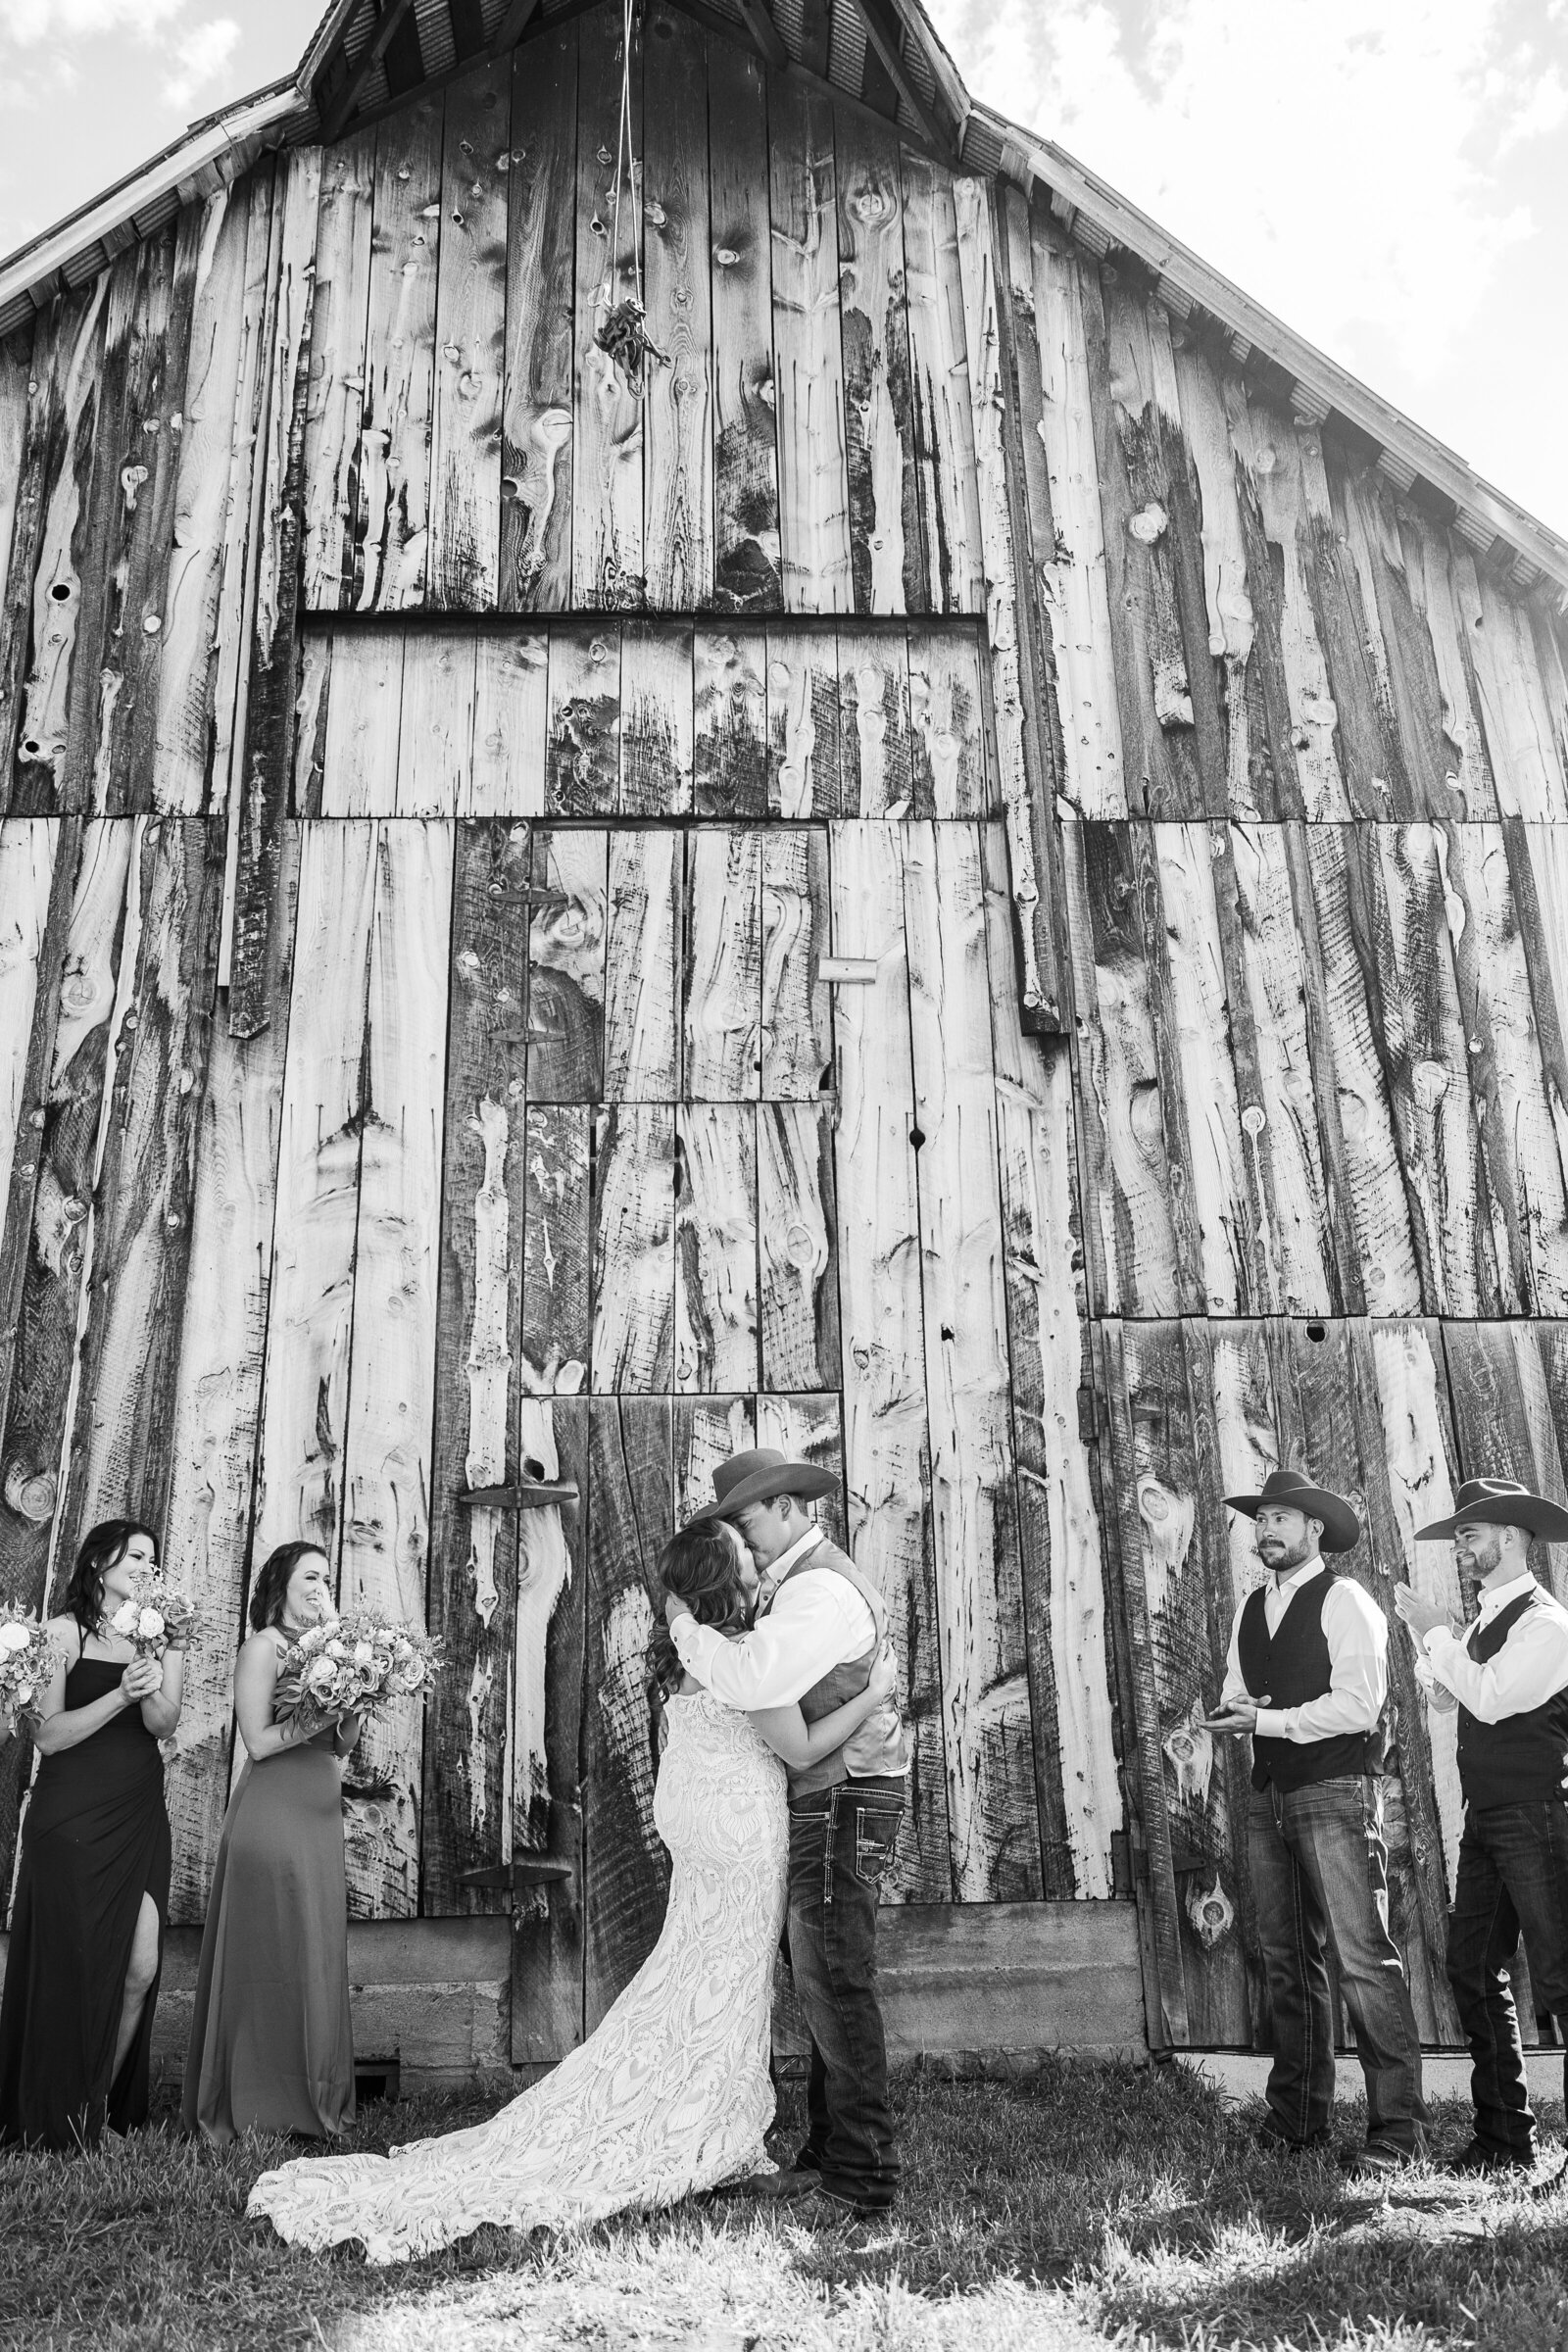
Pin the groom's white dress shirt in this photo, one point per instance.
(817, 1621)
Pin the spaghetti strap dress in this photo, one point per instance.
(94, 1841)
(272, 2048)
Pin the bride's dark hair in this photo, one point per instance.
(698, 1565)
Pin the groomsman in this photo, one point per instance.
(1510, 1673)
(1307, 1677)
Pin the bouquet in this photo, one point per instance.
(157, 1616)
(353, 1665)
(28, 1663)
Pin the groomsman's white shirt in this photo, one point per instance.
(1357, 1635)
(817, 1621)
(1530, 1668)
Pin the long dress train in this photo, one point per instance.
(95, 1841)
(669, 2095)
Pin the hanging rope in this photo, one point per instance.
(623, 331)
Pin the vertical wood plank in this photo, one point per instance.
(27, 506)
(474, 1551)
(566, 966)
(886, 1445)
(1373, 761)
(642, 966)
(678, 404)
(746, 506)
(803, 723)
(875, 768)
(27, 851)
(392, 517)
(335, 408)
(536, 422)
(807, 351)
(1404, 665)
(364, 725)
(656, 718)
(729, 753)
(510, 720)
(797, 1020)
(1472, 792)
(311, 710)
(810, 1429)
(943, 421)
(1193, 1020)
(1251, 701)
(722, 975)
(435, 740)
(15, 373)
(582, 757)
(633, 1260)
(241, 562)
(715, 1315)
(952, 767)
(1520, 737)
(705, 1431)
(608, 560)
(465, 459)
(797, 1226)
(558, 1250)
(134, 309)
(886, 556)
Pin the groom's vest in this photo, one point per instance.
(881, 1745)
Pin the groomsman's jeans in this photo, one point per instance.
(1513, 1875)
(1320, 1871)
(841, 1842)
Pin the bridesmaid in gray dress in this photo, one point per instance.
(270, 2046)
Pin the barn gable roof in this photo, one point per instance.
(366, 56)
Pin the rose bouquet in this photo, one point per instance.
(353, 1665)
(28, 1663)
(157, 1616)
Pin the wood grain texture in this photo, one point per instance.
(807, 351)
(608, 560)
(15, 372)
(886, 1443)
(558, 1250)
(951, 756)
(1405, 671)
(243, 537)
(656, 718)
(642, 966)
(730, 761)
(943, 420)
(566, 925)
(536, 422)
(722, 1011)
(1248, 683)
(705, 1431)
(215, 1400)
(1193, 1033)
(312, 709)
(1521, 740)
(392, 509)
(391, 1403)
(875, 762)
(796, 1017)
(802, 724)
(26, 504)
(334, 412)
(992, 1812)
(465, 456)
(633, 1256)
(473, 1579)
(678, 403)
(137, 287)
(435, 739)
(715, 1333)
(886, 555)
(363, 750)
(1373, 761)
(510, 721)
(1429, 575)
(746, 500)
(29, 847)
(797, 1225)
(583, 759)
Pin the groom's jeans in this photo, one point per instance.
(841, 1842)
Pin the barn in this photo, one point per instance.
(945, 847)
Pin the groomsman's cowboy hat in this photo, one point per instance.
(1293, 1490)
(1503, 1503)
(758, 1476)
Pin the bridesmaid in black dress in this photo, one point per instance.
(92, 1891)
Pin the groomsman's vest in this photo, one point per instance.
(1286, 1669)
(1524, 1759)
(881, 1745)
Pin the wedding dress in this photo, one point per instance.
(671, 2095)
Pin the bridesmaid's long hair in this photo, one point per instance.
(103, 1547)
(272, 1585)
(698, 1564)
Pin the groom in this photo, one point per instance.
(819, 1628)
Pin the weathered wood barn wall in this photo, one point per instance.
(436, 780)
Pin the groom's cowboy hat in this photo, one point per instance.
(757, 1477)
(1504, 1503)
(1293, 1490)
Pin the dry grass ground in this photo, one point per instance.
(1090, 2207)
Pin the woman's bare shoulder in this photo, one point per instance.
(67, 1633)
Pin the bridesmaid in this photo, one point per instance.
(270, 2046)
(92, 1891)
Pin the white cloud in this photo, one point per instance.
(31, 22)
(199, 57)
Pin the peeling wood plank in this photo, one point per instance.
(886, 1446)
(16, 372)
(729, 759)
(137, 287)
(796, 1018)
(886, 556)
(642, 966)
(1251, 699)
(465, 458)
(656, 687)
(994, 1823)
(391, 1400)
(943, 421)
(1462, 746)
(334, 410)
(1406, 669)
(392, 506)
(364, 725)
(435, 740)
(566, 966)
(633, 1253)
(952, 767)
(746, 501)
(511, 722)
(714, 1331)
(536, 425)
(216, 1394)
(241, 562)
(808, 358)
(27, 852)
(803, 723)
(876, 765)
(556, 1304)
(28, 506)
(311, 718)
(722, 1007)
(608, 560)
(705, 1431)
(474, 1577)
(582, 757)
(1370, 754)
(798, 1248)
(1519, 734)
(679, 401)
(1192, 1027)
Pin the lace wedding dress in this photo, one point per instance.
(671, 2095)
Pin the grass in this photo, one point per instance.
(1084, 2208)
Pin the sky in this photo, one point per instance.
(1389, 176)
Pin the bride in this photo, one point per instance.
(671, 2094)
